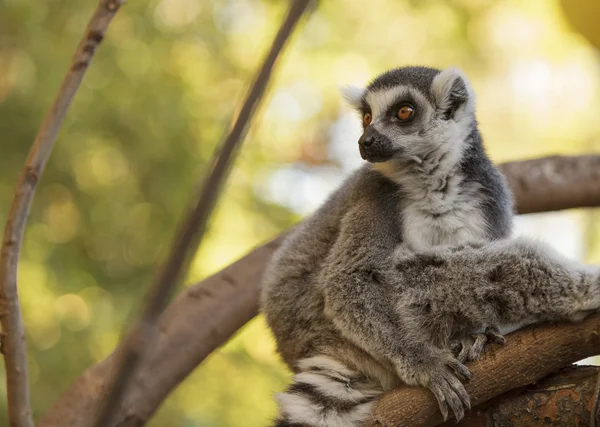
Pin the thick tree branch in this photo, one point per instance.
(221, 304)
(13, 333)
(528, 355)
(554, 183)
(563, 399)
(143, 334)
(193, 325)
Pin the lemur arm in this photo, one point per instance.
(503, 283)
(360, 301)
(356, 299)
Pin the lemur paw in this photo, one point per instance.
(494, 336)
(442, 375)
(472, 347)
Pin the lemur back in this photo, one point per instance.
(377, 287)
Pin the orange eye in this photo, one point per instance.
(367, 119)
(405, 112)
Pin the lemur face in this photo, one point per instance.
(408, 112)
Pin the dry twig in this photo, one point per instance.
(191, 231)
(13, 332)
(207, 314)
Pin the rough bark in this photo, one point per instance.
(206, 315)
(529, 355)
(13, 333)
(563, 399)
(142, 336)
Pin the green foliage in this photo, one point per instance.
(160, 94)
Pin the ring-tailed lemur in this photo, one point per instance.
(407, 259)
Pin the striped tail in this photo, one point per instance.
(325, 393)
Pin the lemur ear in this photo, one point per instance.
(453, 93)
(353, 95)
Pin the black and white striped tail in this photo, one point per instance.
(325, 393)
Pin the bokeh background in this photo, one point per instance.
(160, 94)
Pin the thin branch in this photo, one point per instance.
(13, 332)
(206, 315)
(192, 229)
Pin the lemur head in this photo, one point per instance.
(410, 112)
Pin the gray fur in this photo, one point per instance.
(417, 77)
(406, 260)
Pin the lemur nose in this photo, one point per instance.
(366, 142)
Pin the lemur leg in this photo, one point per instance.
(502, 283)
(472, 346)
(325, 393)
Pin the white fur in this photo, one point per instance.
(332, 388)
(442, 84)
(432, 217)
(353, 94)
(331, 380)
(461, 220)
(381, 100)
(358, 415)
(324, 363)
(299, 409)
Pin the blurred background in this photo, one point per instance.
(159, 95)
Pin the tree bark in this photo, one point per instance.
(207, 314)
(563, 399)
(198, 321)
(529, 355)
(554, 183)
(13, 332)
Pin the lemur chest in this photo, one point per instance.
(443, 218)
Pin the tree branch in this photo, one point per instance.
(222, 304)
(554, 183)
(547, 348)
(563, 399)
(13, 333)
(142, 334)
(193, 325)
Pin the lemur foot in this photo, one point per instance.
(441, 374)
(472, 347)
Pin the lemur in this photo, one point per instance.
(409, 268)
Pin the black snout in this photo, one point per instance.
(375, 147)
(365, 140)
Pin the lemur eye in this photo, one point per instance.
(367, 119)
(405, 112)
